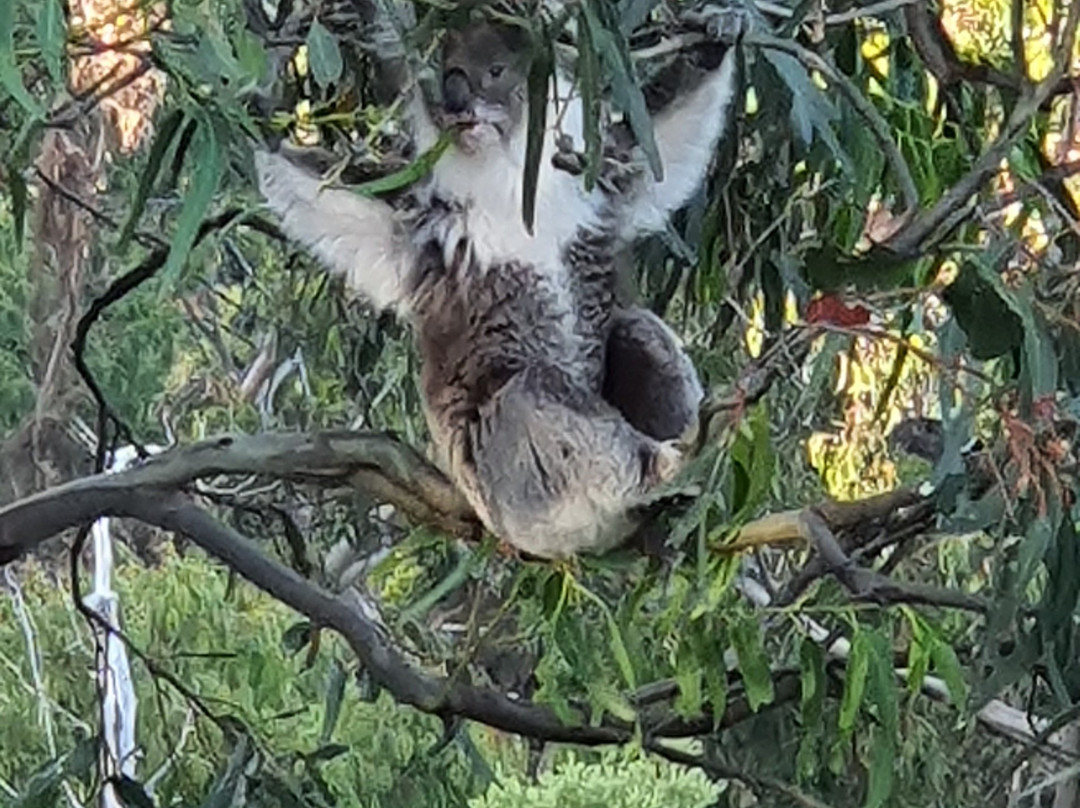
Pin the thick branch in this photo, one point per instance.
(376, 463)
(934, 48)
(344, 614)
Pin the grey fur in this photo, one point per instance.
(554, 409)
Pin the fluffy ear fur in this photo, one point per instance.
(686, 136)
(359, 238)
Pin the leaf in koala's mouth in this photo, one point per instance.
(417, 169)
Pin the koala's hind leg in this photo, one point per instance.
(560, 473)
(649, 378)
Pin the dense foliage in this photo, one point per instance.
(890, 232)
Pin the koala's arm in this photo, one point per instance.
(686, 132)
(356, 237)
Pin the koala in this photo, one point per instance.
(554, 408)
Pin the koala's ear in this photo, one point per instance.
(517, 39)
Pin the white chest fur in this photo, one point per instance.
(489, 185)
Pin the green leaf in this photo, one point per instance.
(625, 91)
(226, 788)
(753, 664)
(812, 702)
(251, 56)
(855, 682)
(52, 38)
(947, 666)
(17, 185)
(991, 327)
(882, 687)
(553, 594)
(10, 75)
(588, 78)
(335, 695)
(82, 759)
(918, 659)
(634, 14)
(296, 637)
(42, 790)
(618, 650)
(812, 681)
(416, 170)
(610, 700)
(752, 451)
(716, 683)
(324, 55)
(882, 765)
(163, 139)
(810, 109)
(540, 71)
(688, 678)
(205, 152)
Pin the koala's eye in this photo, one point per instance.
(496, 70)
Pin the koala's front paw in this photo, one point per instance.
(668, 461)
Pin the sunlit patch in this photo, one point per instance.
(109, 59)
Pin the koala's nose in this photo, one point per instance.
(456, 92)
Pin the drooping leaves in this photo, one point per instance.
(540, 76)
(52, 37)
(11, 78)
(588, 78)
(163, 139)
(205, 155)
(612, 48)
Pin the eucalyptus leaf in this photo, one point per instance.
(614, 52)
(413, 172)
(882, 765)
(324, 55)
(11, 78)
(163, 139)
(19, 194)
(588, 78)
(753, 664)
(132, 793)
(811, 111)
(540, 72)
(205, 152)
(335, 696)
(52, 37)
(858, 666)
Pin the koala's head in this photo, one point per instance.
(484, 81)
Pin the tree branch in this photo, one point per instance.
(376, 463)
(930, 226)
(934, 48)
(345, 613)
